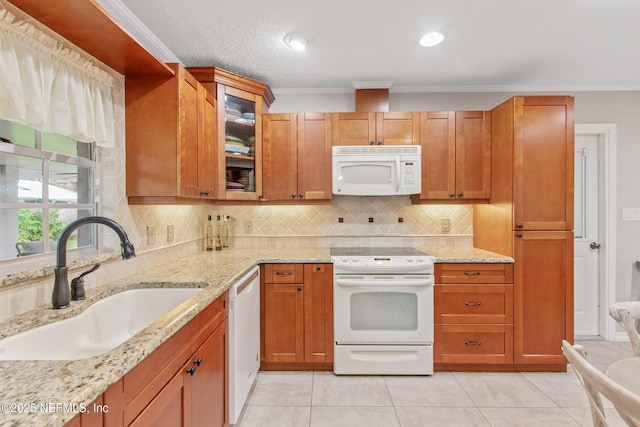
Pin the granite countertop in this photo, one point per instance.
(36, 393)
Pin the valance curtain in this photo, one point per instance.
(49, 87)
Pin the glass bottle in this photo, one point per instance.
(218, 234)
(224, 232)
(209, 236)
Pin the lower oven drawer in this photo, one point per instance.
(383, 360)
(473, 343)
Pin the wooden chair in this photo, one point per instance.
(595, 384)
(627, 315)
(33, 248)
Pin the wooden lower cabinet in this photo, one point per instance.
(473, 314)
(297, 314)
(544, 296)
(196, 395)
(184, 382)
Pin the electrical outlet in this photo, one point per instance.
(170, 233)
(445, 224)
(248, 227)
(151, 234)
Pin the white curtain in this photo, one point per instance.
(49, 87)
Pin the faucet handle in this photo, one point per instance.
(77, 284)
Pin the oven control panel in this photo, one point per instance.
(383, 260)
(387, 264)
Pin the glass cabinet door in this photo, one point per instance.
(240, 132)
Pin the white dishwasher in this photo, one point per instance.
(244, 340)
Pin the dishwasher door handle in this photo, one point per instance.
(241, 287)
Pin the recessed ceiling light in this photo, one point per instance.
(297, 41)
(431, 39)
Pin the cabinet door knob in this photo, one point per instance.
(191, 371)
(460, 194)
(293, 196)
(379, 142)
(519, 234)
(372, 142)
(198, 361)
(519, 225)
(452, 194)
(299, 288)
(301, 195)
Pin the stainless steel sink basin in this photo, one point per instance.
(100, 328)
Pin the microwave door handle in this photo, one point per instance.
(397, 184)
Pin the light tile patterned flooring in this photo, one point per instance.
(318, 399)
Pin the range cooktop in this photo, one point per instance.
(375, 251)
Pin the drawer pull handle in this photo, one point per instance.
(472, 273)
(473, 304)
(283, 273)
(473, 343)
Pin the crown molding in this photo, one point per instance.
(130, 23)
(520, 89)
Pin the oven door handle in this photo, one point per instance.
(384, 283)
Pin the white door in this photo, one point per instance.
(586, 244)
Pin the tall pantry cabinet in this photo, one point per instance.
(530, 217)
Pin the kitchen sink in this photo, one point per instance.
(100, 328)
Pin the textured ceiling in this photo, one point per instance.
(490, 44)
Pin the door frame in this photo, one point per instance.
(607, 180)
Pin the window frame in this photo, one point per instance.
(47, 157)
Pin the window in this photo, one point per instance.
(46, 181)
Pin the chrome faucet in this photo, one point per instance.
(61, 290)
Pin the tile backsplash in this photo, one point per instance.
(349, 221)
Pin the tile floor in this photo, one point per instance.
(318, 399)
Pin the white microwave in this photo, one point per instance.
(376, 170)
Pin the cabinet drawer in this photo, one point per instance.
(473, 303)
(474, 273)
(473, 343)
(283, 273)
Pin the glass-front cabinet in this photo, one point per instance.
(241, 103)
(240, 127)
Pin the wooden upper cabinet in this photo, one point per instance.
(296, 157)
(353, 128)
(397, 128)
(279, 157)
(240, 103)
(169, 136)
(473, 154)
(197, 142)
(438, 140)
(314, 156)
(239, 144)
(207, 147)
(456, 155)
(375, 128)
(543, 163)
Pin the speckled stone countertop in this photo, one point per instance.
(37, 393)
